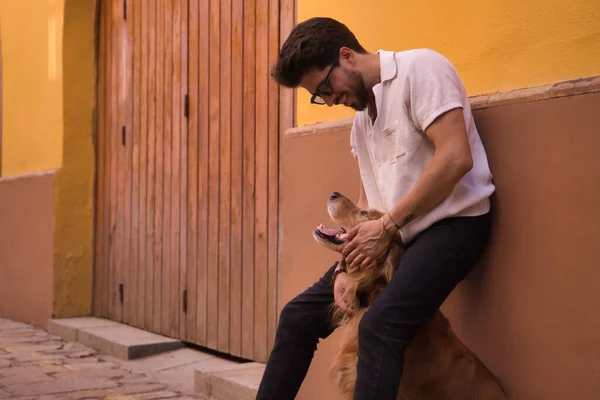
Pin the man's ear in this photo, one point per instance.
(346, 54)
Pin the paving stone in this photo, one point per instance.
(157, 395)
(42, 397)
(90, 359)
(81, 353)
(39, 357)
(40, 347)
(90, 374)
(29, 370)
(8, 324)
(140, 388)
(31, 378)
(91, 394)
(60, 386)
(134, 377)
(90, 365)
(4, 363)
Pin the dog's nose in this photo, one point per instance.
(335, 195)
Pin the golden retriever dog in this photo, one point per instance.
(438, 366)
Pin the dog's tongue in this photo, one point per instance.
(328, 232)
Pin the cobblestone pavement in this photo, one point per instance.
(37, 365)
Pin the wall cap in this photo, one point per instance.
(517, 96)
(28, 175)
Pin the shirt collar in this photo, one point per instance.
(387, 65)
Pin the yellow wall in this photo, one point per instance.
(74, 187)
(47, 124)
(496, 45)
(31, 34)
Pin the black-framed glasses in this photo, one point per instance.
(324, 89)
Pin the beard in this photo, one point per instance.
(360, 92)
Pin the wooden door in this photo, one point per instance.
(189, 123)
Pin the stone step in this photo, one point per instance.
(221, 379)
(165, 358)
(112, 338)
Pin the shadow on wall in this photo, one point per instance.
(530, 310)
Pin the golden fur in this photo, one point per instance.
(438, 366)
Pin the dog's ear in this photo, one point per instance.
(374, 213)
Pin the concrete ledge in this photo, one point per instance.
(525, 95)
(112, 338)
(226, 380)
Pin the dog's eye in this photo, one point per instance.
(342, 230)
(365, 213)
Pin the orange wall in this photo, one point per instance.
(496, 45)
(26, 248)
(531, 309)
(32, 116)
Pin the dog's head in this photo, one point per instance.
(346, 215)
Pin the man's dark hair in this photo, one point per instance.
(313, 43)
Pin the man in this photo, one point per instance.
(422, 162)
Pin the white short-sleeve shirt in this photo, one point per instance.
(416, 87)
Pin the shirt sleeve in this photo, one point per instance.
(434, 88)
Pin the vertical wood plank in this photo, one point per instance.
(122, 172)
(129, 270)
(287, 105)
(213, 183)
(273, 178)
(262, 134)
(109, 134)
(183, 182)
(114, 151)
(159, 165)
(100, 269)
(144, 268)
(235, 303)
(225, 176)
(152, 295)
(249, 180)
(193, 255)
(176, 114)
(167, 146)
(135, 166)
(203, 178)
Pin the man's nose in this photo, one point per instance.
(330, 100)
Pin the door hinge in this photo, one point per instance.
(186, 106)
(125, 10)
(185, 301)
(123, 134)
(121, 293)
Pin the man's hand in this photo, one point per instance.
(339, 288)
(368, 243)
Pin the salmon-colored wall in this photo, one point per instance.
(531, 310)
(313, 166)
(26, 248)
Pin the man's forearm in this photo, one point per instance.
(438, 180)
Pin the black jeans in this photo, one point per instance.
(433, 264)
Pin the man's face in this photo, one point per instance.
(345, 83)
